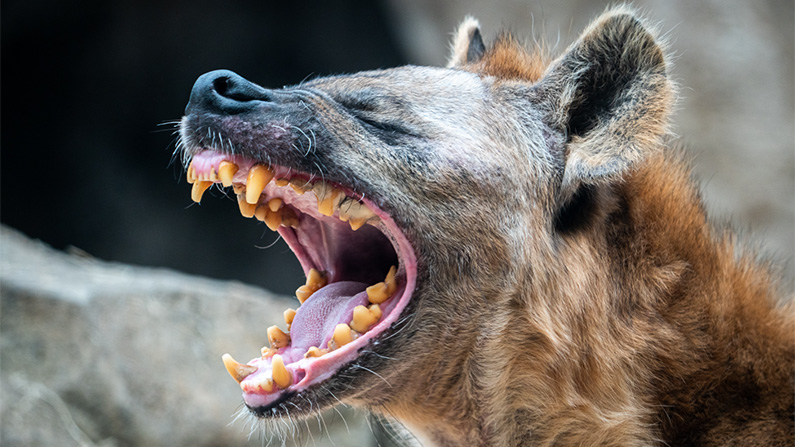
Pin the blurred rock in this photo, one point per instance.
(95, 353)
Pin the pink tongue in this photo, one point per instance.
(315, 320)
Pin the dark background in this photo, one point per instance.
(90, 94)
(91, 89)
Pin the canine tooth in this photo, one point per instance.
(303, 293)
(289, 315)
(258, 177)
(246, 209)
(299, 186)
(391, 285)
(273, 219)
(314, 351)
(377, 293)
(191, 175)
(277, 338)
(226, 170)
(198, 189)
(275, 204)
(238, 371)
(316, 280)
(281, 376)
(289, 218)
(342, 336)
(364, 318)
(281, 182)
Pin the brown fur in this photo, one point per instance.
(571, 289)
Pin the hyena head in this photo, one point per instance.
(464, 178)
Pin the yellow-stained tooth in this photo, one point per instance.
(325, 206)
(377, 293)
(273, 219)
(265, 385)
(289, 218)
(364, 318)
(258, 177)
(238, 371)
(342, 336)
(239, 189)
(314, 351)
(275, 204)
(299, 186)
(267, 352)
(281, 182)
(191, 175)
(303, 293)
(198, 189)
(281, 376)
(316, 280)
(261, 213)
(391, 285)
(226, 171)
(246, 209)
(289, 315)
(356, 223)
(212, 176)
(277, 338)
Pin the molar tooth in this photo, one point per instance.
(356, 223)
(289, 315)
(342, 336)
(377, 293)
(303, 293)
(329, 202)
(273, 219)
(314, 351)
(315, 280)
(246, 209)
(299, 186)
(238, 371)
(391, 285)
(364, 318)
(281, 376)
(199, 187)
(277, 338)
(275, 204)
(226, 170)
(289, 218)
(258, 177)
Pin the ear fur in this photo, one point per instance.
(611, 96)
(468, 44)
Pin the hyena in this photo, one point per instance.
(505, 251)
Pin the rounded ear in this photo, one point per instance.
(611, 96)
(467, 44)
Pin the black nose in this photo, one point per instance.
(225, 92)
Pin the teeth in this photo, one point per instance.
(198, 189)
(314, 351)
(342, 336)
(246, 209)
(289, 218)
(281, 376)
(273, 220)
(260, 213)
(377, 293)
(289, 315)
(238, 371)
(258, 177)
(303, 293)
(277, 338)
(299, 186)
(329, 201)
(267, 352)
(239, 189)
(391, 285)
(265, 385)
(316, 280)
(226, 170)
(356, 223)
(275, 204)
(364, 318)
(281, 182)
(191, 176)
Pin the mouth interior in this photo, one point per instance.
(360, 272)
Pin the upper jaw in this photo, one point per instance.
(287, 200)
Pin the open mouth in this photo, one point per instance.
(360, 271)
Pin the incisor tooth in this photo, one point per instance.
(391, 285)
(314, 351)
(273, 219)
(303, 293)
(277, 338)
(377, 293)
(238, 371)
(265, 385)
(280, 374)
(191, 175)
(275, 204)
(342, 336)
(289, 315)
(198, 189)
(316, 280)
(212, 176)
(246, 209)
(364, 318)
(226, 171)
(258, 177)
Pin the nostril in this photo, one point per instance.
(225, 92)
(220, 85)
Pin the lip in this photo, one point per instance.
(260, 394)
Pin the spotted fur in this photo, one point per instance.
(571, 289)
